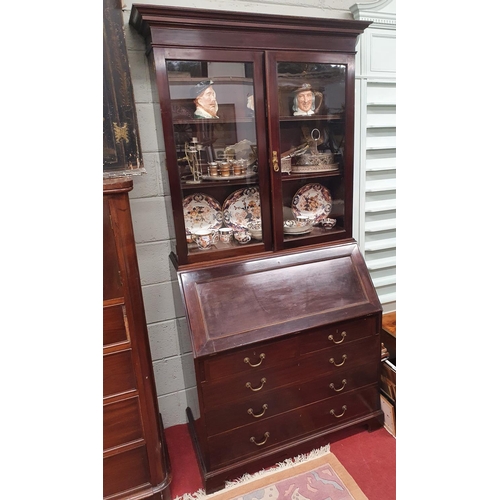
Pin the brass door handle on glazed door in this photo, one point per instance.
(276, 165)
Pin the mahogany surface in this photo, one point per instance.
(173, 33)
(285, 331)
(135, 459)
(388, 334)
(276, 356)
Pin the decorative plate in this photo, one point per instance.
(201, 212)
(312, 200)
(242, 208)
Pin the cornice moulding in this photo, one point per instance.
(381, 12)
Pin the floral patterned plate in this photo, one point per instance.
(201, 212)
(242, 208)
(313, 200)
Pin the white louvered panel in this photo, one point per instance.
(381, 93)
(373, 186)
(381, 263)
(387, 291)
(380, 160)
(382, 225)
(376, 239)
(381, 138)
(380, 116)
(376, 145)
(380, 206)
(381, 244)
(384, 281)
(388, 299)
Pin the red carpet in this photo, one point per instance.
(370, 458)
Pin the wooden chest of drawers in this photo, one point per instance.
(274, 383)
(136, 463)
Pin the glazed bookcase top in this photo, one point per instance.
(258, 120)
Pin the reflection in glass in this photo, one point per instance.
(312, 129)
(306, 100)
(216, 150)
(205, 100)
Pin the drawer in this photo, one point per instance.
(342, 357)
(337, 334)
(262, 406)
(243, 385)
(297, 370)
(126, 470)
(291, 426)
(121, 422)
(250, 359)
(118, 373)
(114, 329)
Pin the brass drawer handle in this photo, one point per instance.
(262, 382)
(332, 412)
(343, 334)
(264, 408)
(247, 360)
(332, 386)
(266, 437)
(344, 357)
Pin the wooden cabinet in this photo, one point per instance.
(286, 351)
(258, 121)
(289, 381)
(136, 463)
(279, 142)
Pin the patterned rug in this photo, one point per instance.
(315, 476)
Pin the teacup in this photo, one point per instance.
(255, 230)
(204, 238)
(242, 236)
(303, 220)
(226, 234)
(328, 223)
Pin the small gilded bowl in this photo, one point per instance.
(328, 223)
(255, 230)
(256, 235)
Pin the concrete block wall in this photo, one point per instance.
(152, 214)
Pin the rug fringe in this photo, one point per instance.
(197, 495)
(246, 478)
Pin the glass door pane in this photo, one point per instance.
(312, 134)
(216, 141)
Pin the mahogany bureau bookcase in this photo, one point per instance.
(257, 114)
